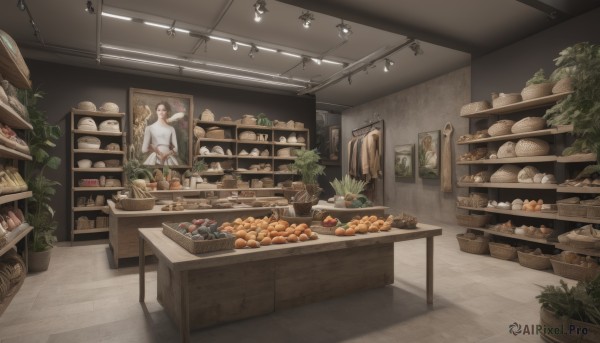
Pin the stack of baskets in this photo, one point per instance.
(473, 244)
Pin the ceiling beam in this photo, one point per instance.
(385, 24)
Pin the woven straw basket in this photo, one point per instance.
(529, 124)
(539, 262)
(505, 174)
(503, 252)
(215, 133)
(197, 247)
(473, 246)
(88, 142)
(130, 204)
(573, 271)
(473, 107)
(500, 128)
(505, 99)
(537, 90)
(507, 150)
(563, 85)
(473, 220)
(285, 152)
(199, 132)
(247, 136)
(532, 147)
(248, 119)
(571, 210)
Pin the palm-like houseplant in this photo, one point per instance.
(40, 213)
(307, 165)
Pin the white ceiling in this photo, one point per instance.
(450, 32)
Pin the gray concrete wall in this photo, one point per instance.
(439, 101)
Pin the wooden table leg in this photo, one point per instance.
(185, 310)
(142, 270)
(429, 270)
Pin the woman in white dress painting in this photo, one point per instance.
(160, 139)
(431, 158)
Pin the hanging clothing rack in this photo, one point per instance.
(366, 128)
(363, 130)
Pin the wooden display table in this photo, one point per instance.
(198, 291)
(346, 214)
(123, 225)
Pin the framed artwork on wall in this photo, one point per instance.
(335, 144)
(404, 161)
(429, 154)
(160, 127)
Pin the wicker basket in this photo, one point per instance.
(507, 150)
(215, 132)
(563, 85)
(323, 230)
(101, 222)
(501, 128)
(473, 107)
(473, 220)
(284, 152)
(573, 271)
(302, 208)
(503, 252)
(131, 204)
(197, 247)
(478, 199)
(298, 125)
(472, 246)
(506, 174)
(504, 99)
(248, 119)
(571, 210)
(527, 147)
(539, 262)
(529, 124)
(88, 142)
(549, 208)
(199, 132)
(592, 208)
(112, 163)
(537, 90)
(247, 136)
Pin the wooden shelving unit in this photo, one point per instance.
(535, 159)
(92, 212)
(508, 185)
(578, 190)
(6, 152)
(512, 235)
(579, 158)
(12, 119)
(519, 106)
(512, 212)
(21, 232)
(516, 136)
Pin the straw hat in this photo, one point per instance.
(87, 124)
(506, 173)
(110, 107)
(207, 115)
(86, 106)
(109, 125)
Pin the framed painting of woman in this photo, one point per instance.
(429, 154)
(160, 127)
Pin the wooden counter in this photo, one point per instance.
(123, 225)
(198, 291)
(346, 214)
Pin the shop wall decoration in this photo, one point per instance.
(160, 127)
(334, 143)
(328, 128)
(429, 154)
(404, 161)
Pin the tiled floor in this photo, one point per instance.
(80, 299)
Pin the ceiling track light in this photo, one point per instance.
(253, 50)
(89, 7)
(260, 8)
(306, 18)
(387, 65)
(349, 79)
(344, 30)
(21, 5)
(234, 45)
(416, 48)
(171, 30)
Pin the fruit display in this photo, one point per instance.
(361, 225)
(202, 230)
(256, 232)
(329, 221)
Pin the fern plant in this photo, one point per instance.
(307, 164)
(134, 169)
(580, 302)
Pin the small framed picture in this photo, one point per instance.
(160, 127)
(334, 143)
(404, 161)
(429, 154)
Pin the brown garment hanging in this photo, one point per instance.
(446, 170)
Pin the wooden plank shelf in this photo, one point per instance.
(290, 144)
(508, 185)
(589, 252)
(242, 141)
(89, 208)
(578, 219)
(12, 119)
(533, 159)
(194, 191)
(21, 231)
(97, 189)
(514, 136)
(541, 215)
(579, 190)
(519, 106)
(287, 129)
(249, 172)
(6, 152)
(98, 133)
(98, 170)
(97, 113)
(578, 158)
(15, 196)
(255, 157)
(225, 157)
(285, 158)
(98, 151)
(81, 232)
(285, 173)
(214, 123)
(224, 140)
(512, 235)
(254, 127)
(206, 173)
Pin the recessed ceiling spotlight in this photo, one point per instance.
(89, 7)
(306, 19)
(171, 30)
(416, 48)
(253, 50)
(387, 65)
(260, 7)
(344, 30)
(234, 45)
(21, 5)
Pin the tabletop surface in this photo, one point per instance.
(156, 211)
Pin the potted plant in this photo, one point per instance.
(40, 213)
(581, 63)
(571, 314)
(349, 190)
(134, 170)
(537, 86)
(307, 165)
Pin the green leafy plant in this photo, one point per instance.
(42, 138)
(261, 119)
(199, 166)
(348, 185)
(582, 107)
(580, 302)
(307, 164)
(538, 77)
(134, 169)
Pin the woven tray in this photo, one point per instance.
(539, 262)
(197, 247)
(503, 252)
(473, 246)
(573, 271)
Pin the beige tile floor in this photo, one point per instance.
(81, 299)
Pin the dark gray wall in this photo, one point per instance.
(65, 86)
